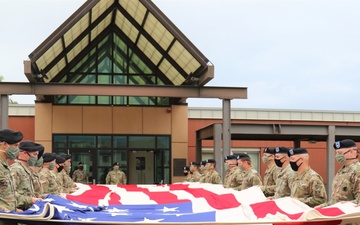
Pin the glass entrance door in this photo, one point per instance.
(141, 167)
(87, 158)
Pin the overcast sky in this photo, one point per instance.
(290, 54)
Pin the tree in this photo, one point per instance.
(10, 100)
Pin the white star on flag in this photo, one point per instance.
(62, 208)
(146, 220)
(166, 209)
(77, 205)
(34, 208)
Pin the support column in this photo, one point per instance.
(198, 148)
(218, 155)
(4, 111)
(330, 160)
(297, 144)
(226, 132)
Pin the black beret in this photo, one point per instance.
(59, 159)
(297, 151)
(115, 164)
(210, 161)
(80, 163)
(269, 150)
(203, 163)
(347, 143)
(30, 146)
(65, 156)
(230, 157)
(48, 157)
(10, 136)
(186, 168)
(194, 163)
(41, 152)
(242, 156)
(283, 150)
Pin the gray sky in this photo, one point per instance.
(290, 54)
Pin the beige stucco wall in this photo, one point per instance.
(54, 119)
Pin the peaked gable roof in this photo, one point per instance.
(141, 25)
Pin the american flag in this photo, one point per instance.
(181, 203)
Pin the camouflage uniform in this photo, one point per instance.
(116, 177)
(7, 187)
(308, 187)
(195, 176)
(270, 177)
(80, 176)
(23, 184)
(346, 185)
(68, 183)
(250, 178)
(187, 178)
(203, 177)
(48, 182)
(233, 179)
(213, 178)
(37, 183)
(283, 181)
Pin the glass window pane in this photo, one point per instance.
(142, 100)
(120, 156)
(82, 141)
(104, 100)
(104, 79)
(166, 158)
(101, 176)
(120, 79)
(59, 141)
(81, 99)
(104, 141)
(120, 142)
(120, 100)
(166, 176)
(163, 142)
(163, 101)
(141, 142)
(104, 158)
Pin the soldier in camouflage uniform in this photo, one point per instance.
(195, 175)
(187, 174)
(271, 172)
(58, 171)
(307, 185)
(212, 176)
(35, 169)
(47, 176)
(250, 176)
(234, 176)
(116, 176)
(203, 171)
(68, 184)
(285, 174)
(80, 175)
(22, 174)
(346, 183)
(9, 140)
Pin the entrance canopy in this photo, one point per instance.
(135, 29)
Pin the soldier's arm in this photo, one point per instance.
(356, 182)
(124, 179)
(74, 176)
(317, 193)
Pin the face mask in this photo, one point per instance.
(51, 166)
(60, 168)
(207, 167)
(11, 153)
(81, 167)
(191, 169)
(340, 158)
(265, 159)
(32, 161)
(201, 169)
(294, 166)
(186, 173)
(116, 167)
(278, 162)
(39, 162)
(227, 167)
